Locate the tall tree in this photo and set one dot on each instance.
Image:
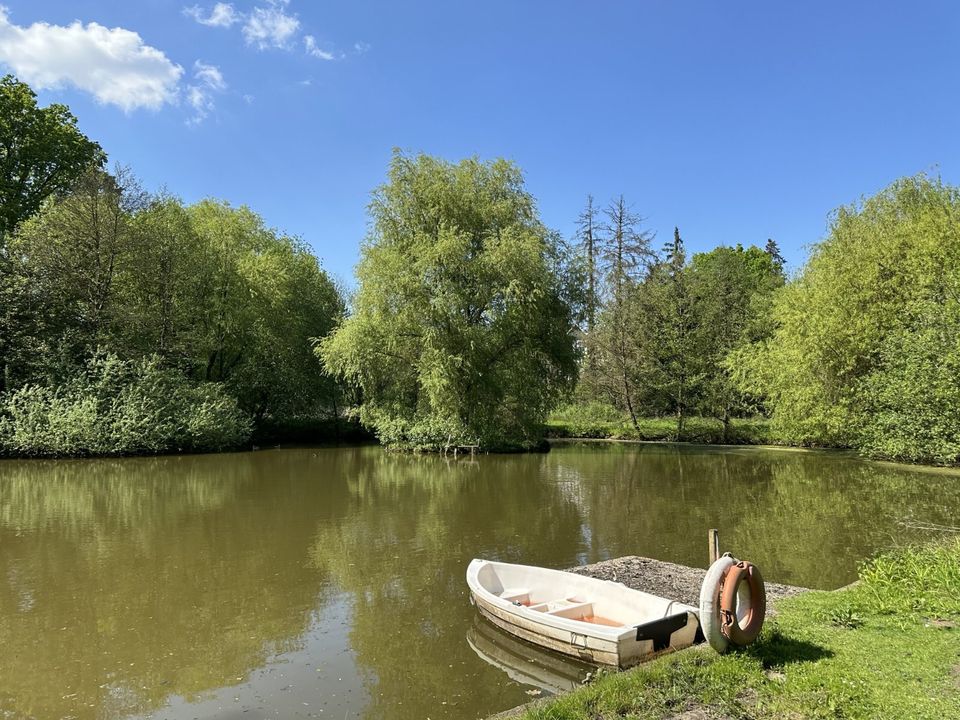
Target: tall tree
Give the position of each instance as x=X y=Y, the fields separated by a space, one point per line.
x=460 y=332
x=41 y=153
x=732 y=290
x=773 y=250
x=67 y=262
x=587 y=233
x=623 y=250
x=264 y=298
x=670 y=320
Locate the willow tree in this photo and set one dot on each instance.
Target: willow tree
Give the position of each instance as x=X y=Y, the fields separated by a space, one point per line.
x=461 y=333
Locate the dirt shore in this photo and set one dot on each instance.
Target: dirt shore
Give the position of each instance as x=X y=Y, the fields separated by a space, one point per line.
x=677 y=582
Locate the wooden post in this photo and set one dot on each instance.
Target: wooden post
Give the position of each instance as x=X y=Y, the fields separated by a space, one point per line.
x=714 y=540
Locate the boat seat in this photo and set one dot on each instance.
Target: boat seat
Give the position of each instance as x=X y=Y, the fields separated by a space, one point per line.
x=517 y=596
x=574 y=611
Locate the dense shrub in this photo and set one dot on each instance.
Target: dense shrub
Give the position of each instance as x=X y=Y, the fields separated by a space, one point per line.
x=865 y=354
x=117 y=407
x=924 y=579
x=589 y=420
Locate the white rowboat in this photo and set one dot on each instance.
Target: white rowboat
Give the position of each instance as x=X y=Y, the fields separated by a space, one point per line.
x=598 y=621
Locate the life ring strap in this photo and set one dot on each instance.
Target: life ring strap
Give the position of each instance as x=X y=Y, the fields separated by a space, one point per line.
x=736 y=574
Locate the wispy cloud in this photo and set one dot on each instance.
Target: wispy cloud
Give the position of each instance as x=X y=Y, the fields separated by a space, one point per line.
x=310 y=45
x=112 y=64
x=207 y=81
x=222 y=15
x=270 y=26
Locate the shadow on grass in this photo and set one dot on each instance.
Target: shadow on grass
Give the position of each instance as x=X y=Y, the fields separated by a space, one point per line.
x=776 y=649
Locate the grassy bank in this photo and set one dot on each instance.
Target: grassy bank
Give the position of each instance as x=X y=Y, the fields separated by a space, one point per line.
x=595 y=420
x=887 y=647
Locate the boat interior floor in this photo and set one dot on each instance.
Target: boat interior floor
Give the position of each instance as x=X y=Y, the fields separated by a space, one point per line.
x=572 y=608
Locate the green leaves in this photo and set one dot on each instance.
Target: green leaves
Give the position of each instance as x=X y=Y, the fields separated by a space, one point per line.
x=461 y=333
x=116 y=407
x=41 y=153
x=865 y=353
x=208 y=291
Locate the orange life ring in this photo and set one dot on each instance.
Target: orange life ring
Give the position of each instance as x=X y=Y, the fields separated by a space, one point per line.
x=731 y=627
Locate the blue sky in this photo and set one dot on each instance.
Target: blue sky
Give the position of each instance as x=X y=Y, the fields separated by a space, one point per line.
x=737 y=121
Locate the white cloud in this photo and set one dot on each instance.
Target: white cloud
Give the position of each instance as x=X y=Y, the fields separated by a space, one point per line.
x=207 y=81
x=222 y=15
x=310 y=43
x=361 y=47
x=112 y=64
x=209 y=75
x=270 y=26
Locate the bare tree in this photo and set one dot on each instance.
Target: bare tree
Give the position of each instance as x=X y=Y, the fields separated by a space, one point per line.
x=587 y=234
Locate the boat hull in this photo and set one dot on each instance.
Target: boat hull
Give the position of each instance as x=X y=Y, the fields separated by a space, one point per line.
x=661 y=626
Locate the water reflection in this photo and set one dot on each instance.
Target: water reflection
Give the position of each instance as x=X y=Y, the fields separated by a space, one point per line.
x=524 y=663
x=290 y=582
x=127 y=581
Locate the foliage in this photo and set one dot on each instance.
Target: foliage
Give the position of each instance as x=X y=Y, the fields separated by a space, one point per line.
x=461 y=332
x=598 y=421
x=866 y=351
x=41 y=153
x=733 y=290
x=593 y=419
x=921 y=580
x=116 y=407
x=617 y=256
x=69 y=263
x=208 y=289
x=670 y=322
x=265 y=299
x=662 y=337
x=889 y=662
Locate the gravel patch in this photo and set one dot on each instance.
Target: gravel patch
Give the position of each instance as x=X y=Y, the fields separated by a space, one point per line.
x=676 y=582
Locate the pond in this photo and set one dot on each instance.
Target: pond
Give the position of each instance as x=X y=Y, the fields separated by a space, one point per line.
x=330 y=582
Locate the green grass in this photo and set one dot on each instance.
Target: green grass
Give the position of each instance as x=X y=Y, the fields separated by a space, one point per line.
x=888 y=647
x=599 y=421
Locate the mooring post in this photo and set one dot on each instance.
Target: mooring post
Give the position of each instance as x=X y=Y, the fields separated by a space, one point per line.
x=714 y=540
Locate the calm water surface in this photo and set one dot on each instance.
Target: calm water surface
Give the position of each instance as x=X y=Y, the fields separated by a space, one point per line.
x=330 y=582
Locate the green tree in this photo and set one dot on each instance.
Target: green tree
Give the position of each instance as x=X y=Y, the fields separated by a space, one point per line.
x=66 y=264
x=41 y=153
x=207 y=290
x=668 y=308
x=865 y=352
x=264 y=298
x=732 y=290
x=461 y=331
